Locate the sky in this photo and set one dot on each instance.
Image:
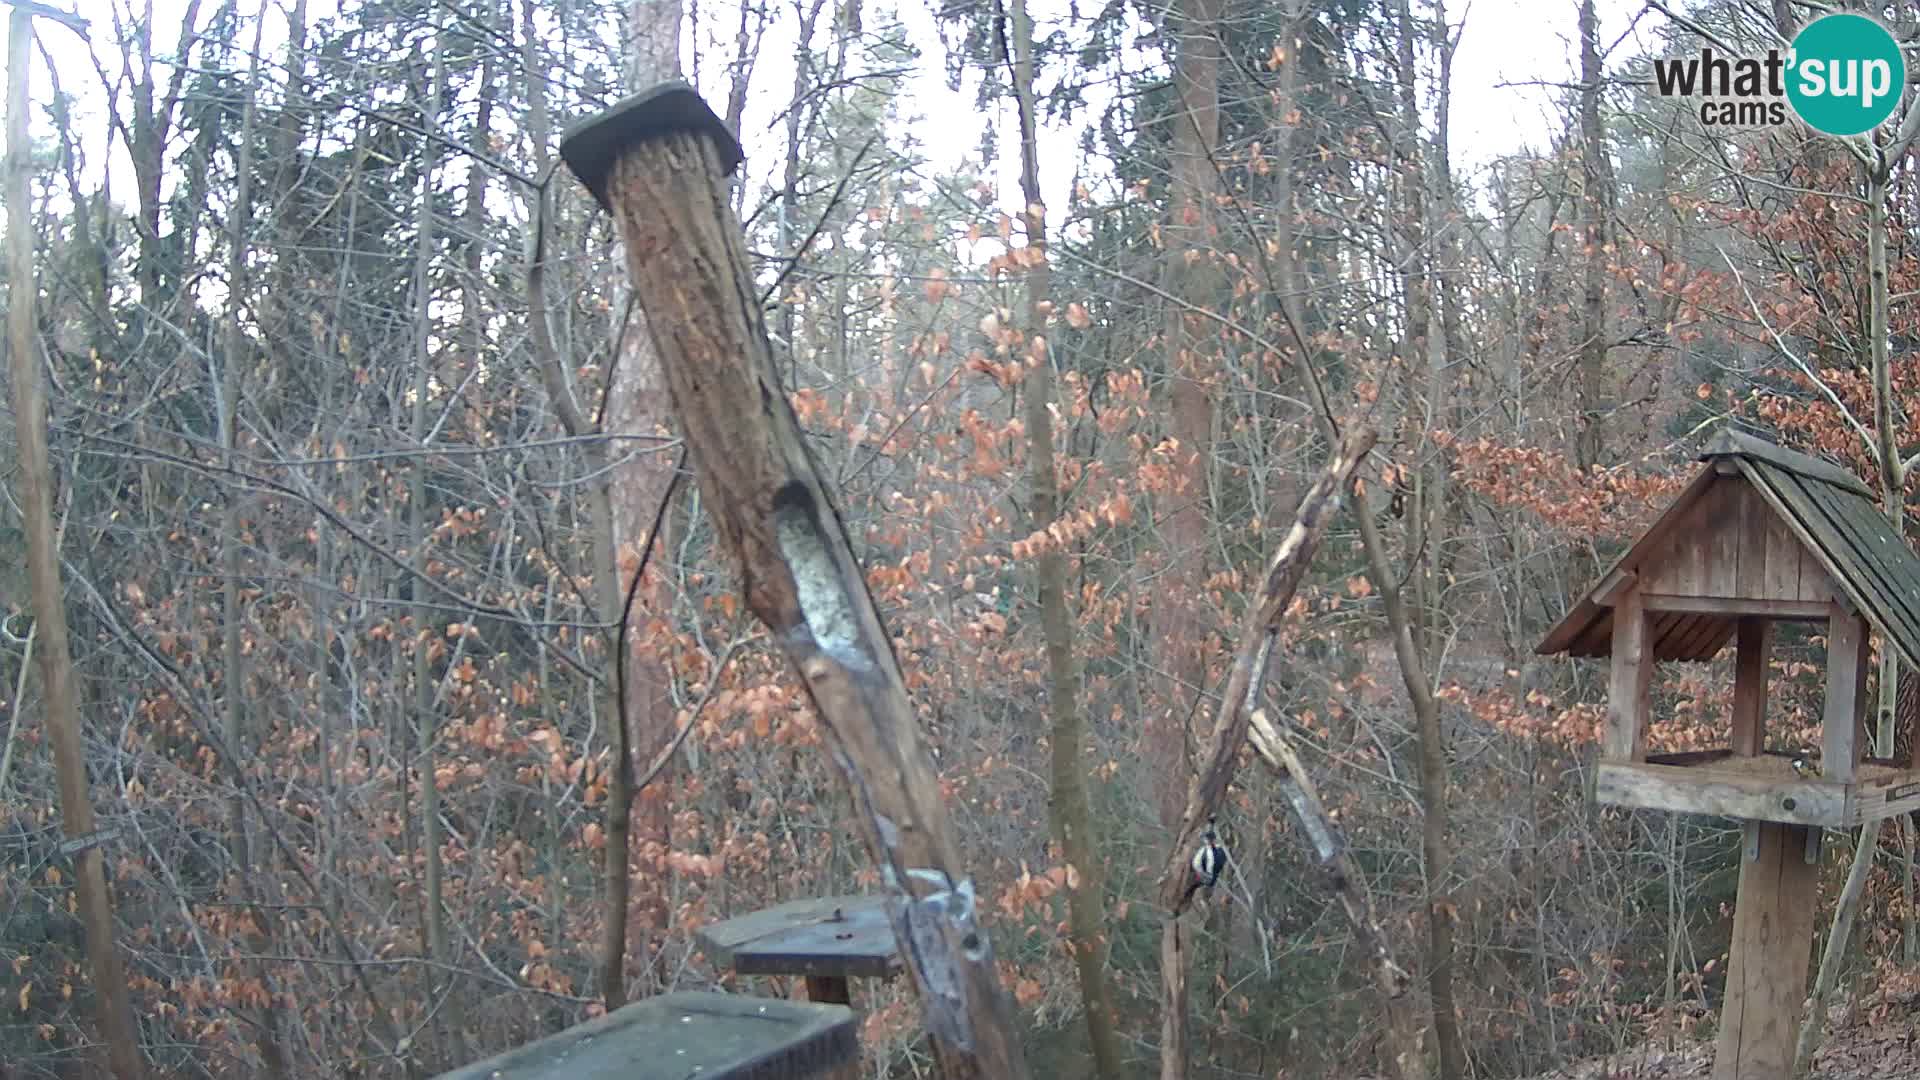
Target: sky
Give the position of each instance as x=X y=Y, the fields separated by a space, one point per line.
x=1508 y=48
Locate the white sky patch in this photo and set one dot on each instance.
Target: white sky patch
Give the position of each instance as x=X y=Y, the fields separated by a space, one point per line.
x=1510 y=72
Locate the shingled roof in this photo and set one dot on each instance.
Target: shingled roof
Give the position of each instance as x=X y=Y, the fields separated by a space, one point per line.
x=1829 y=510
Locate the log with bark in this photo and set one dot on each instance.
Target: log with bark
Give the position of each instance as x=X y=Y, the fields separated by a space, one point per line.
x=659 y=163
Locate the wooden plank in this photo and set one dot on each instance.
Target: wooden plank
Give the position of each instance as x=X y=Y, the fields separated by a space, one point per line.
x=684 y=1034
x=1682 y=567
x=1794 y=610
x=1898 y=570
x=1580 y=617
x=727 y=934
x=1847 y=543
x=1816 y=585
x=1782 y=572
x=1695 y=638
x=1611 y=587
x=835 y=935
x=1817 y=532
x=1884 y=797
x=1687 y=758
x=1712 y=634
x=1626 y=734
x=1715 y=792
x=1769 y=956
x=1877 y=561
x=1666 y=631
x=1720 y=537
x=1755 y=520
x=1731 y=442
x=1846 y=696
x=1750 y=686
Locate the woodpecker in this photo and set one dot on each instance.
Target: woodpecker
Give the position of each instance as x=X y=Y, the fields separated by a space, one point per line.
x=1208 y=861
x=1805 y=767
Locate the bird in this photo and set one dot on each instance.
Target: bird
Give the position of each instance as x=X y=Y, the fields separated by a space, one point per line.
x=1207 y=863
x=1805 y=767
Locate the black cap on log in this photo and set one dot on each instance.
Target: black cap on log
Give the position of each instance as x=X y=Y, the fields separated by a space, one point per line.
x=591 y=146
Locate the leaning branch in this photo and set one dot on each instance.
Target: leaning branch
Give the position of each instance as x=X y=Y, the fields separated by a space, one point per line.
x=1285 y=570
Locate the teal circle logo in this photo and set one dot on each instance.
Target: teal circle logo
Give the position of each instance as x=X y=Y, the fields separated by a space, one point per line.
x=1847 y=74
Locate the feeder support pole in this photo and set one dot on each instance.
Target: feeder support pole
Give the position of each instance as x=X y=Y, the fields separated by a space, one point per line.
x=658 y=163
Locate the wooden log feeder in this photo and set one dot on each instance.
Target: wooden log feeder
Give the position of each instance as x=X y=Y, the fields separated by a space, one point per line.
x=1762 y=535
x=659 y=162
x=827 y=941
x=675 y=1036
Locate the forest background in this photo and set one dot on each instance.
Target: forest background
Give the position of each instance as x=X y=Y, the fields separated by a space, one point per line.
x=358 y=443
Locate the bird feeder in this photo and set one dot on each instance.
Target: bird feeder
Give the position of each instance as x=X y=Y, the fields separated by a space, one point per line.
x=827 y=941
x=1762 y=535
x=675 y=1036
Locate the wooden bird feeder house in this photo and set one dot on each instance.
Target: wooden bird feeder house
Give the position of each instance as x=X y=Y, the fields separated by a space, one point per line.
x=1762 y=535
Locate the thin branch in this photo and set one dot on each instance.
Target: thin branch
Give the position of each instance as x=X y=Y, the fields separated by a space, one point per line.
x=666 y=754
x=1786 y=350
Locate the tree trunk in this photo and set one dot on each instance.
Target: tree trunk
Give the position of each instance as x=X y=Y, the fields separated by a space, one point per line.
x=1813 y=1026
x=1433 y=798
x=633 y=479
x=116 y=1018
x=1596 y=181
x=235 y=355
x=1893 y=502
x=1072 y=815
x=425 y=707
x=1192 y=278
x=1408 y=628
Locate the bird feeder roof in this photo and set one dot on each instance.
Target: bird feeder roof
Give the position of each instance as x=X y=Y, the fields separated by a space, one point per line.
x=1846 y=547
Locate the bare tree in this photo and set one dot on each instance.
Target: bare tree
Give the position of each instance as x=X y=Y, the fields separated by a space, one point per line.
x=43 y=570
x=1072 y=815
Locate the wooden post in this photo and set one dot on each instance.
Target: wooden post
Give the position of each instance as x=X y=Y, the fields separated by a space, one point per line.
x=659 y=162
x=1769 y=956
x=1627 y=712
x=829 y=990
x=1755 y=641
x=1846 y=696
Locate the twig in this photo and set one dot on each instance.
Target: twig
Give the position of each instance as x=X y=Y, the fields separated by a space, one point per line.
x=1781 y=344
x=713 y=685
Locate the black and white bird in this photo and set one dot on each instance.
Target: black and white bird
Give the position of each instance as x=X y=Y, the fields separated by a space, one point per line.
x=1209 y=860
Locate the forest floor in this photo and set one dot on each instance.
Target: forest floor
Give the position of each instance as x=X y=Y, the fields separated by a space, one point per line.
x=1877 y=1037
